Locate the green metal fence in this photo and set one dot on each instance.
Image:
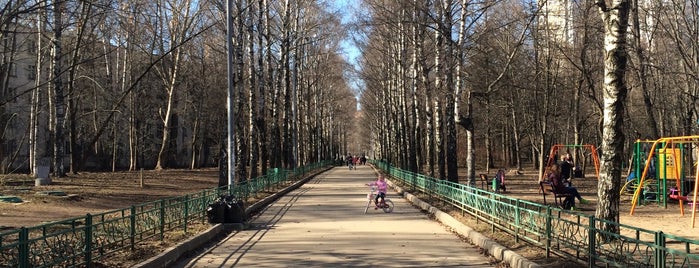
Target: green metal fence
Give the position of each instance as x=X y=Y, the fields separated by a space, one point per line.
x=80 y=241
x=566 y=233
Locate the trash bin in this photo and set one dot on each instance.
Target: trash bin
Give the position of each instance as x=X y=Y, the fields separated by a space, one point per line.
x=216 y=212
x=235 y=213
x=227 y=209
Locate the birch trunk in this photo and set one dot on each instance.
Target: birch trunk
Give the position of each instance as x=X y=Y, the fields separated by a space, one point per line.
x=58 y=97
x=415 y=81
x=286 y=86
x=459 y=88
x=439 y=140
x=34 y=151
x=241 y=86
x=438 y=66
x=451 y=114
x=179 y=26
x=615 y=19
x=269 y=83
x=166 y=116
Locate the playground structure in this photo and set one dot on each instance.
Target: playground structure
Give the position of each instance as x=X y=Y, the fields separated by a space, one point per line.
x=591 y=148
x=663 y=162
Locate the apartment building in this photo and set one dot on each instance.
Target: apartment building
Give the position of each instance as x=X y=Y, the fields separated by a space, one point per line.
x=19 y=53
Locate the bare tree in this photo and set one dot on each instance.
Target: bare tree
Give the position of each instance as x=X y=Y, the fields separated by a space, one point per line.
x=58 y=111
x=615 y=16
x=179 y=22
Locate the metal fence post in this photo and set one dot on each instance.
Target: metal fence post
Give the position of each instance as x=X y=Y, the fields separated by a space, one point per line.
x=162 y=219
x=591 y=242
x=132 y=234
x=412 y=182
x=493 y=211
x=24 y=248
x=88 y=240
x=659 y=249
x=186 y=212
x=548 y=231
x=517 y=220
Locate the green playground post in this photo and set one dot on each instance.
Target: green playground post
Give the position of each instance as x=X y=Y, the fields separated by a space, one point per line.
x=637 y=165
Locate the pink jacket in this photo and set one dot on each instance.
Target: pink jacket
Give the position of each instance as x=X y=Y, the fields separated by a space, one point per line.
x=381 y=185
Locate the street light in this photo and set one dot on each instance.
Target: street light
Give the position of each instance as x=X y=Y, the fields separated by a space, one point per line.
x=229 y=102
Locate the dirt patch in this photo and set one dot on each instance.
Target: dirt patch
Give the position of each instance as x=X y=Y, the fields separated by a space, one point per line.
x=93 y=193
x=89 y=192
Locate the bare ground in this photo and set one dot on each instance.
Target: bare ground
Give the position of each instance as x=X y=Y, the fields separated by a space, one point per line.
x=94 y=192
x=524 y=185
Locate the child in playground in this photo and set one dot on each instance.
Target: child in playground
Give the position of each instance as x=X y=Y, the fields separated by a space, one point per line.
x=554 y=176
x=381 y=186
x=499 y=181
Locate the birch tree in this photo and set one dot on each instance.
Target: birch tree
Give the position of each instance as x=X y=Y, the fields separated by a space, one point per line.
x=179 y=21
x=615 y=17
x=58 y=111
x=84 y=34
x=641 y=63
x=39 y=88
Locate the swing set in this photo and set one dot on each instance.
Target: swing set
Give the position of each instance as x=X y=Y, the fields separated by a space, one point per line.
x=591 y=148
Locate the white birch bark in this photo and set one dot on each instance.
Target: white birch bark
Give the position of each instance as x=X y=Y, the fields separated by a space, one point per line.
x=58 y=97
x=615 y=16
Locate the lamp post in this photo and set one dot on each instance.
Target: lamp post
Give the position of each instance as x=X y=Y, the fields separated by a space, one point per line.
x=229 y=102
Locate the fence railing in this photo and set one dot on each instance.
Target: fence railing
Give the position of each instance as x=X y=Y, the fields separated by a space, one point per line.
x=569 y=234
x=81 y=241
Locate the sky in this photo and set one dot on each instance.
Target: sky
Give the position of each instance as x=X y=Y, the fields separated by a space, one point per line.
x=347 y=7
x=349 y=50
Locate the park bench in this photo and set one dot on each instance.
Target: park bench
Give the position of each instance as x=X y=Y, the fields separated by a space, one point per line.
x=489 y=185
x=547 y=188
x=484 y=181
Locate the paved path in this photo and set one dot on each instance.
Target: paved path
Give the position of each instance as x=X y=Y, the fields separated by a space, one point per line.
x=322 y=224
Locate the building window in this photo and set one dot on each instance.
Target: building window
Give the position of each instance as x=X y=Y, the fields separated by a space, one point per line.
x=31 y=72
x=7 y=43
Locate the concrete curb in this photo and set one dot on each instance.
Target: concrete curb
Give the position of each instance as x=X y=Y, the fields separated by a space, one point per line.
x=174 y=253
x=170 y=255
x=491 y=246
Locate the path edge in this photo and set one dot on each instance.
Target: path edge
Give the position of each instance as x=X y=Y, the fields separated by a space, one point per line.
x=172 y=254
x=492 y=247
